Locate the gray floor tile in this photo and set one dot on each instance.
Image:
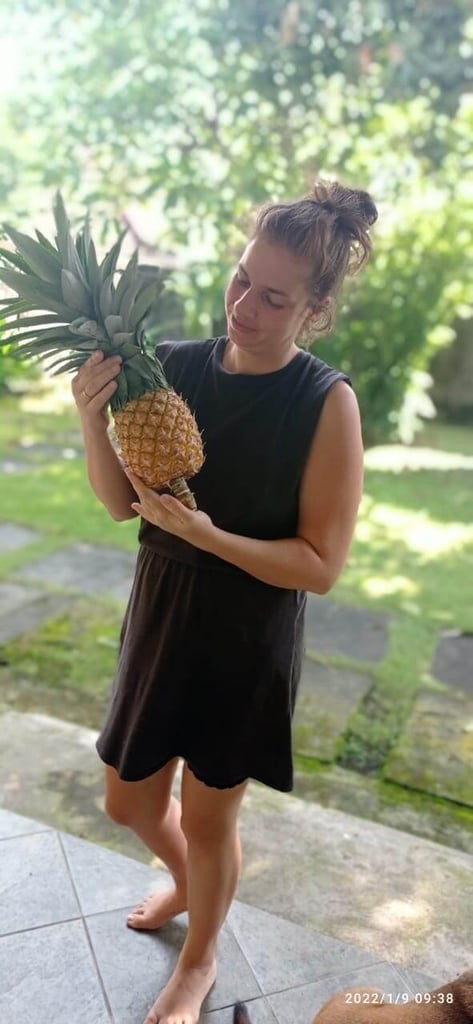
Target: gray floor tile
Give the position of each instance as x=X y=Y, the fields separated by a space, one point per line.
x=48 y=976
x=235 y=981
x=301 y=1004
x=35 y=887
x=105 y=880
x=135 y=966
x=283 y=954
x=382 y=976
x=259 y=1010
x=16 y=825
x=417 y=981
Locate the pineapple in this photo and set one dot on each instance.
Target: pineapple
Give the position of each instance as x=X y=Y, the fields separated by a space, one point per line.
x=83 y=308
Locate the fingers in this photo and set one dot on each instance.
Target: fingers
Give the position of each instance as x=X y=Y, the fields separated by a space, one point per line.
x=95 y=382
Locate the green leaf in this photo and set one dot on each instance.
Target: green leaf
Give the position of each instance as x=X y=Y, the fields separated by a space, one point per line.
x=36 y=321
x=19 y=283
x=122 y=338
x=47 y=244
x=62 y=227
x=92 y=267
x=106 y=297
x=67 y=364
x=113 y=324
x=40 y=337
x=143 y=304
x=74 y=265
x=109 y=262
x=15 y=260
x=128 y=301
x=126 y=278
x=74 y=293
x=41 y=261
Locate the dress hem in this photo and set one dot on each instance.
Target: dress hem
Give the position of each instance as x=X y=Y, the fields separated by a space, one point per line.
x=212 y=785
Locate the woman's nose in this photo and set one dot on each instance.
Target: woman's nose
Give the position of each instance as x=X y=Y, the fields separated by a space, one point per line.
x=245 y=306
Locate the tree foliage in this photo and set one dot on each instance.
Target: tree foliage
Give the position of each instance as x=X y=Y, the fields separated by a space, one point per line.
x=205 y=110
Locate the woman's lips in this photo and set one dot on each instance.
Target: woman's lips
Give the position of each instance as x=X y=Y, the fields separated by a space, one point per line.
x=239 y=326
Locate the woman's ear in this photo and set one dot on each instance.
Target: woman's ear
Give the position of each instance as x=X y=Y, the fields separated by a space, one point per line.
x=317 y=321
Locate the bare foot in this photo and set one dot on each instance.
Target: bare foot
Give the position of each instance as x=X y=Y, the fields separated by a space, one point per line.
x=180 y=1002
x=156 y=910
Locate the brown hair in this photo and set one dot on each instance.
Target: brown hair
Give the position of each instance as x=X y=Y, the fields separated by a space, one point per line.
x=329 y=228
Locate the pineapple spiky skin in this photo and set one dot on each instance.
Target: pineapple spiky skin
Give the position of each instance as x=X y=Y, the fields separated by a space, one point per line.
x=83 y=309
x=160 y=441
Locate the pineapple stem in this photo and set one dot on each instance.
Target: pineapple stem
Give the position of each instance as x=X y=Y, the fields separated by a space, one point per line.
x=182 y=492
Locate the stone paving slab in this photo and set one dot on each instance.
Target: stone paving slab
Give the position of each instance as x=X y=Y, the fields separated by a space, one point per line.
x=301 y=1003
x=13 y=597
x=435 y=750
x=84 y=568
x=363 y=884
x=278 y=949
x=104 y=880
x=260 y=1010
x=14 y=466
x=339 y=629
x=327 y=697
x=453 y=660
x=35 y=885
x=13 y=537
x=17 y=825
x=23 y=609
x=49 y=975
x=92 y=969
x=135 y=967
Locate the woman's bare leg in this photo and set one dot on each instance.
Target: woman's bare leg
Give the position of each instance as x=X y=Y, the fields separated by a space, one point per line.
x=209 y=822
x=149 y=809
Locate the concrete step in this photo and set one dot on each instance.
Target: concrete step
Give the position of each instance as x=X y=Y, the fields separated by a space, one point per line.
x=396 y=896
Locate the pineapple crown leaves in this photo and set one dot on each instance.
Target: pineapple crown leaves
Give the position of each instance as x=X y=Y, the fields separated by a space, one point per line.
x=80 y=304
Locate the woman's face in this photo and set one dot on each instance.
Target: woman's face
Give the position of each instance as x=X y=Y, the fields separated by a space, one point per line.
x=267 y=301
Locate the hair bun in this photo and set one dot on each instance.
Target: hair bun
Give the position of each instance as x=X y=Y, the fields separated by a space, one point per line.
x=350 y=206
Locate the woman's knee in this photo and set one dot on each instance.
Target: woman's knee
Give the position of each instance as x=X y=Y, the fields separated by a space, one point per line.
x=128 y=802
x=119 y=809
x=209 y=816
x=200 y=829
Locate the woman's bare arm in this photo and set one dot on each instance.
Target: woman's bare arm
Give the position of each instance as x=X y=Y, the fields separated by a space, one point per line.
x=330 y=496
x=92 y=388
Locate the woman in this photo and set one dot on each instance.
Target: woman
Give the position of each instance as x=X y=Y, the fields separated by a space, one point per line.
x=212 y=640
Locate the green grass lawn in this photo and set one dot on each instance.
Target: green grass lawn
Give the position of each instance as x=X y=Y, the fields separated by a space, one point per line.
x=54 y=495
x=412 y=558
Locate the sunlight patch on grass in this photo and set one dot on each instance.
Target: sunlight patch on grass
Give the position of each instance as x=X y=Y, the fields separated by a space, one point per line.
x=379 y=586
x=402 y=914
x=52 y=395
x=397 y=458
x=415 y=530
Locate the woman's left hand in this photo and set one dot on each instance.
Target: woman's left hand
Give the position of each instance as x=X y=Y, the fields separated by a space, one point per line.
x=169 y=514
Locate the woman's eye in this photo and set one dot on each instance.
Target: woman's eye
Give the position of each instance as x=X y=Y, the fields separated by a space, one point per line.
x=275 y=305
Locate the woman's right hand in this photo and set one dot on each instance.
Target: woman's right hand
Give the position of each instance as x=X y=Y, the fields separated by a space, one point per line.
x=93 y=387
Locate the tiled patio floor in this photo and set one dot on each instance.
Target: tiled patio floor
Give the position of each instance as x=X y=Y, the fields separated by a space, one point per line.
x=66 y=956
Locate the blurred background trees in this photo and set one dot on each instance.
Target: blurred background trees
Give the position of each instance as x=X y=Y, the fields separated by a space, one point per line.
x=180 y=118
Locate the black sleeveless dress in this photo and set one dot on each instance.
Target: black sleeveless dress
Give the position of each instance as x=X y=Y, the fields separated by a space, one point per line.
x=210 y=656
